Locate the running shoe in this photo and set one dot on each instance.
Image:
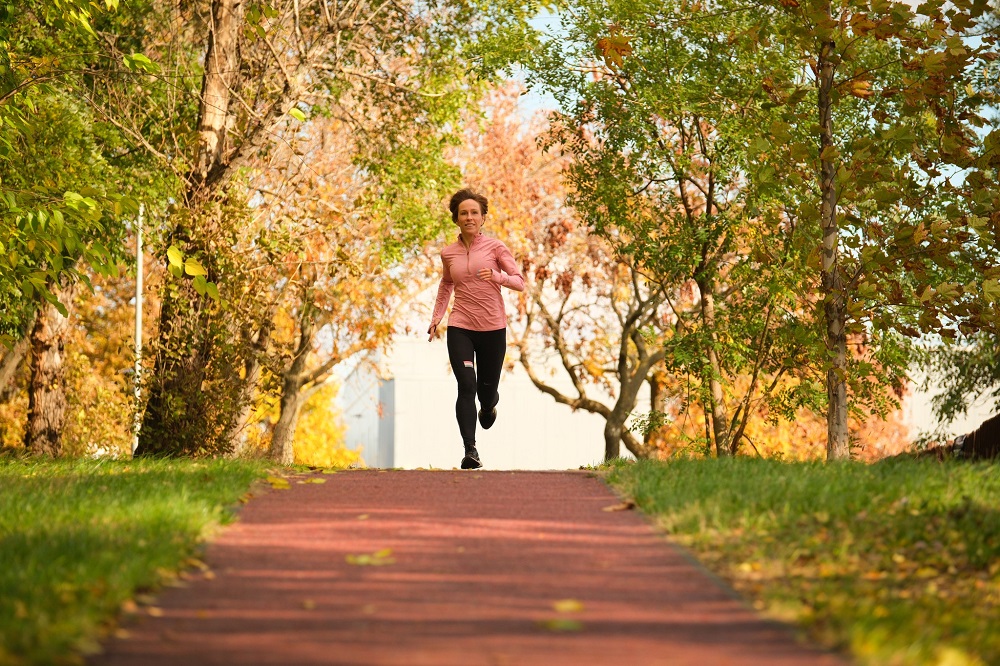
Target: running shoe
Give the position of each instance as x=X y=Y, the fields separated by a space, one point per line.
x=471 y=459
x=488 y=418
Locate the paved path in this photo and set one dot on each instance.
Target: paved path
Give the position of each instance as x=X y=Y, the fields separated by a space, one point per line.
x=480 y=559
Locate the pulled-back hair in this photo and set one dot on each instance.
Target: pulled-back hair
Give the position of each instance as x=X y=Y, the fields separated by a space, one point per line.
x=463 y=195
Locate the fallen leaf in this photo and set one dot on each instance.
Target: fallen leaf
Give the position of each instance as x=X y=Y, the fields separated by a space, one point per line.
x=314 y=480
x=155 y=611
x=377 y=559
x=559 y=625
x=278 y=483
x=627 y=505
x=195 y=563
x=568 y=606
x=309 y=604
x=363 y=516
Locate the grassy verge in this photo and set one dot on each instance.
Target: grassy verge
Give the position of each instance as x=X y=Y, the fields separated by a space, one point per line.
x=894 y=563
x=79 y=538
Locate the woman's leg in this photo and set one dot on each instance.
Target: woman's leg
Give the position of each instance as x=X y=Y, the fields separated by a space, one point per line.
x=461 y=353
x=491 y=347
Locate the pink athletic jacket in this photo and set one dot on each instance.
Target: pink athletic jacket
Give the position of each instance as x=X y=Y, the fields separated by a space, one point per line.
x=478 y=303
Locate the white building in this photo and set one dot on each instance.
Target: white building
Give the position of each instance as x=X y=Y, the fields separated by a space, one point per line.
x=406 y=418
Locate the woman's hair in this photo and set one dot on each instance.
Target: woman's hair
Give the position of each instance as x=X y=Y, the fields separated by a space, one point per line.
x=463 y=195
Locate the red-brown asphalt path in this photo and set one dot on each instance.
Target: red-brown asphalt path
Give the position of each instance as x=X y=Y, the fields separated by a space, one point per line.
x=480 y=558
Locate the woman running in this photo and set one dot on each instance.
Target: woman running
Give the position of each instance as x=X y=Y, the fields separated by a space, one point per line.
x=475 y=267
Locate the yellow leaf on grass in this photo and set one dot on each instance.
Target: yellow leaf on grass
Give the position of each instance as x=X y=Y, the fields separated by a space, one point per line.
x=568 y=606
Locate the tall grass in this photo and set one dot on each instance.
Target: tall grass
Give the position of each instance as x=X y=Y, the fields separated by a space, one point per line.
x=895 y=563
x=78 y=538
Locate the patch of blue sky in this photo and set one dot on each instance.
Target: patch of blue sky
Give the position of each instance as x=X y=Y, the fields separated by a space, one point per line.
x=535 y=99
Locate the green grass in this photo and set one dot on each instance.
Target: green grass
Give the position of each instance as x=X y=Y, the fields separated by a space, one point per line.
x=79 y=538
x=894 y=563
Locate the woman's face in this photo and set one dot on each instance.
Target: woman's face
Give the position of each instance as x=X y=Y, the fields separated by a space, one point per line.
x=470 y=217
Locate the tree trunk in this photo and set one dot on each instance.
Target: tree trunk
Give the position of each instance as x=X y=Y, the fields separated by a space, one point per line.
x=251 y=379
x=172 y=421
x=175 y=419
x=614 y=427
x=834 y=309
x=657 y=405
x=292 y=380
x=221 y=69
x=720 y=414
x=47 y=388
x=11 y=361
x=283 y=437
x=612 y=439
x=237 y=434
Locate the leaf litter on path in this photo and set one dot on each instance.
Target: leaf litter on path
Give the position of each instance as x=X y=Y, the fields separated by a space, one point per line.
x=278 y=483
x=379 y=558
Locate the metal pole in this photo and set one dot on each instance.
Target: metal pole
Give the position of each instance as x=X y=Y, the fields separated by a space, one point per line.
x=137 y=422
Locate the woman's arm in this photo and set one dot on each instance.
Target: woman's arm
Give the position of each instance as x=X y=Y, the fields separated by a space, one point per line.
x=509 y=274
x=445 y=289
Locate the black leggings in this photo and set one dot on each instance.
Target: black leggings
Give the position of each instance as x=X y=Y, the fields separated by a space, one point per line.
x=469 y=351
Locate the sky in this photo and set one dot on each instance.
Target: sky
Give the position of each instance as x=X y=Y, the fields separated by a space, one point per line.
x=536 y=100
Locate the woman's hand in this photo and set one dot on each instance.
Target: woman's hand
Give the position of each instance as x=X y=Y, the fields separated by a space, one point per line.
x=432 y=331
x=486 y=274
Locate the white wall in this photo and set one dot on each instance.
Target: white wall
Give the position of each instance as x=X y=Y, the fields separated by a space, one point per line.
x=532 y=430
x=918 y=412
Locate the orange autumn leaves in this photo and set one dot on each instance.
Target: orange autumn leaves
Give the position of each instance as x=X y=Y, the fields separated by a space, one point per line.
x=614 y=48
